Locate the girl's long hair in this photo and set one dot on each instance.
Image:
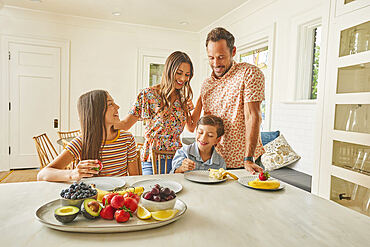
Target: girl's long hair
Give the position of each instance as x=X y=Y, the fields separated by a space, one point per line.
x=92 y=107
x=167 y=85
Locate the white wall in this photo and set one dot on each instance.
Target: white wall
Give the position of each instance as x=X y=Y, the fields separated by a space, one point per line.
x=103 y=54
x=296 y=121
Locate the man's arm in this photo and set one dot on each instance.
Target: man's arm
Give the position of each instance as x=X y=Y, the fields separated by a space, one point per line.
x=253 y=119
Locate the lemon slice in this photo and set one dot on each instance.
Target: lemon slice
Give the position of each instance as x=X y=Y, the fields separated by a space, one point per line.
x=164 y=214
x=143 y=213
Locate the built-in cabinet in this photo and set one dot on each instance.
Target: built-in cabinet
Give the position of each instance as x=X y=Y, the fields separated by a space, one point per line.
x=345 y=151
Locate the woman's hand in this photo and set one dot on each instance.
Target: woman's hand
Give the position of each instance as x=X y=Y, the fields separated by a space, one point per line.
x=190 y=105
x=85 y=169
x=187 y=165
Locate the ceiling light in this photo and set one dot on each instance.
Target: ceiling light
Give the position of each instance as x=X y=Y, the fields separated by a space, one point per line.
x=39 y=1
x=116 y=13
x=184 y=23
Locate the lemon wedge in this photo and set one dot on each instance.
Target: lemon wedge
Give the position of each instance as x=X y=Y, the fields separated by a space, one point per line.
x=164 y=214
x=143 y=213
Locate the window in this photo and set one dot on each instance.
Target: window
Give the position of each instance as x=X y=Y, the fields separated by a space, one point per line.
x=155 y=73
x=258 y=57
x=308 y=56
x=315 y=61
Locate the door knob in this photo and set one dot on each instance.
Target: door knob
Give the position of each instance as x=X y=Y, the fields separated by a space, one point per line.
x=56 y=125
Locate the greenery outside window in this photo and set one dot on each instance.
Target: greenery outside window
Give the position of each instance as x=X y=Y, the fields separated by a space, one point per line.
x=258 y=57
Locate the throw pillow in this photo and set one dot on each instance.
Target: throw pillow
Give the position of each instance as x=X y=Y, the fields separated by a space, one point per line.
x=278 y=154
x=267 y=137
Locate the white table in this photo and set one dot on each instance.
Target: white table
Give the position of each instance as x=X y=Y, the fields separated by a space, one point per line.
x=225 y=214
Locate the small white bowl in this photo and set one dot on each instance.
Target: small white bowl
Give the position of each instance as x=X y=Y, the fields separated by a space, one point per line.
x=153 y=206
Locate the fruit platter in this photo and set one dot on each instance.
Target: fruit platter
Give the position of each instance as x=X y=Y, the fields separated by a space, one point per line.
x=83 y=208
x=262 y=181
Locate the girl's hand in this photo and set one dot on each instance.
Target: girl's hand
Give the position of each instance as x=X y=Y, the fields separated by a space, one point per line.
x=85 y=169
x=187 y=165
x=190 y=105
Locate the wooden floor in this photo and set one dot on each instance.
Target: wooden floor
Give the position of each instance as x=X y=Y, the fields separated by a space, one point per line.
x=14 y=176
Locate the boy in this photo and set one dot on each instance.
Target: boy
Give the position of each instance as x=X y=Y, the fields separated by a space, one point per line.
x=201 y=155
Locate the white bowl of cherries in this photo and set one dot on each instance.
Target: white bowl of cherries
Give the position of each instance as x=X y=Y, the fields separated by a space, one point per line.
x=158 y=198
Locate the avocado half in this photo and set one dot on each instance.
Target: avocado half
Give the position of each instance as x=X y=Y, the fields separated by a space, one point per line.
x=91 y=208
x=66 y=214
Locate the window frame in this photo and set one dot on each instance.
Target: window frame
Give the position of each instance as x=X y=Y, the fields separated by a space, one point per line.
x=306 y=40
x=257 y=40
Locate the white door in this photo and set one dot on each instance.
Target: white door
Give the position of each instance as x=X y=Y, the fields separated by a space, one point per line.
x=34 y=95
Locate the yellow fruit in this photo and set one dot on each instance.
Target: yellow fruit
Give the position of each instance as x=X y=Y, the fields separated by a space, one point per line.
x=232 y=175
x=136 y=190
x=217 y=174
x=101 y=194
x=143 y=213
x=269 y=184
x=164 y=214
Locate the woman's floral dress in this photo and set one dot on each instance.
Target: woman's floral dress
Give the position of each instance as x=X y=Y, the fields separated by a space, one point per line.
x=162 y=128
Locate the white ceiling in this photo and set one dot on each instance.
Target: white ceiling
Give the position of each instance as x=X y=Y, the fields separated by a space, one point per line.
x=162 y=13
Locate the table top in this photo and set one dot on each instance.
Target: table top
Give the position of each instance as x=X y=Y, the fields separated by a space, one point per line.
x=218 y=214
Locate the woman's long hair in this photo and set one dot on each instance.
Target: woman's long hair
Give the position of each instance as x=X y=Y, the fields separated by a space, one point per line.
x=167 y=85
x=92 y=107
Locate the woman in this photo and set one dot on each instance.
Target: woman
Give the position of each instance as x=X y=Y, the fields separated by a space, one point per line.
x=98 y=143
x=165 y=108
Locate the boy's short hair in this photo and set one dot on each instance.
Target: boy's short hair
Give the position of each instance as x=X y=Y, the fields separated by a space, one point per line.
x=220 y=33
x=213 y=120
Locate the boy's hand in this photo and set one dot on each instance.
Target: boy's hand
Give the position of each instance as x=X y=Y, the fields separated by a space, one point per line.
x=187 y=165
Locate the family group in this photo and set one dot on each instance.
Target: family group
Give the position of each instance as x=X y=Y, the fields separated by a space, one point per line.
x=227 y=134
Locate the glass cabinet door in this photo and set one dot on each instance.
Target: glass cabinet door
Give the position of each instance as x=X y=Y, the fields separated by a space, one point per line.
x=355 y=39
x=349 y=138
x=350 y=195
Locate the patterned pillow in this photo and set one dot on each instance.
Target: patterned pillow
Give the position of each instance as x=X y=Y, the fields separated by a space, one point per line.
x=278 y=154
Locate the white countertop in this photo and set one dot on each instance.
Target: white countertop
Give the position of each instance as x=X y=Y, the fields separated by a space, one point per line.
x=225 y=214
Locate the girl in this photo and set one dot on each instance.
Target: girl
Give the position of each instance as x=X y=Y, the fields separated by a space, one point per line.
x=99 y=141
x=165 y=108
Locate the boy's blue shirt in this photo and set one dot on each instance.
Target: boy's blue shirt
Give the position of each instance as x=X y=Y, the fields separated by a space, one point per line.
x=192 y=152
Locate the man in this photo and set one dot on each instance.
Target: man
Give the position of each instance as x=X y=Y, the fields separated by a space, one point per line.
x=234 y=92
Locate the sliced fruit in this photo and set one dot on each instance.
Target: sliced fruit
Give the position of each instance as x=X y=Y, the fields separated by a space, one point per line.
x=101 y=194
x=217 y=174
x=164 y=214
x=232 y=175
x=136 y=190
x=143 y=213
x=66 y=214
x=91 y=209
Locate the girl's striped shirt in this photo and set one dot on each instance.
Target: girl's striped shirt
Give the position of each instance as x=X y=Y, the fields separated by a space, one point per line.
x=116 y=153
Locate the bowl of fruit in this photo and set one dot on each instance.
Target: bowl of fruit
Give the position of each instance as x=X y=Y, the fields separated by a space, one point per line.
x=76 y=193
x=158 y=198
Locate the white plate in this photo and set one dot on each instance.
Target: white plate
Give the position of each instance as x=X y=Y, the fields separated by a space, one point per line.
x=202 y=176
x=149 y=184
x=244 y=181
x=45 y=214
x=105 y=183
